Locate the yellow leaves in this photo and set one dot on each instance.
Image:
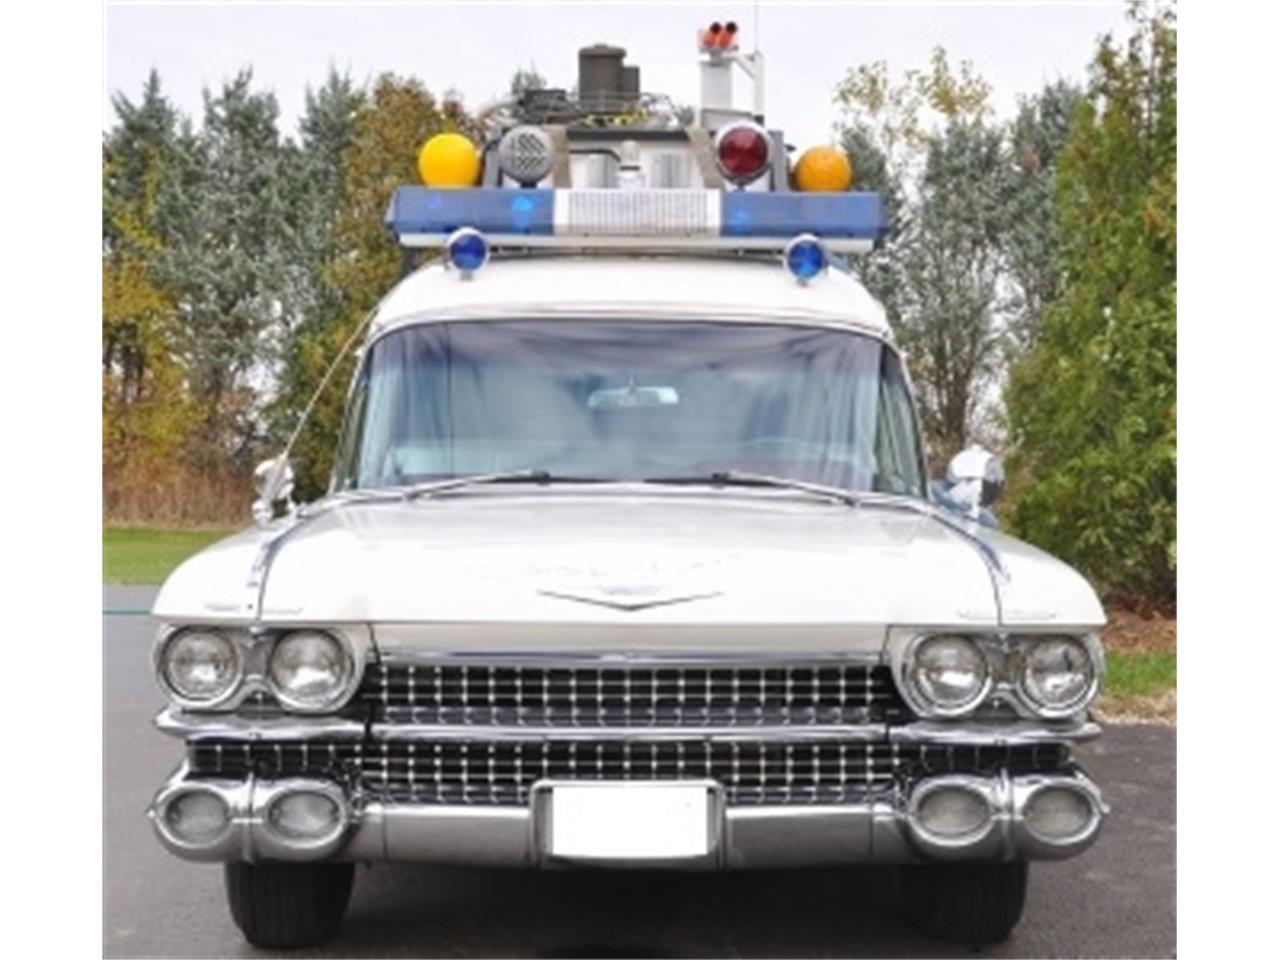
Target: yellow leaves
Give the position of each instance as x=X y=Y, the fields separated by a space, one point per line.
x=904 y=113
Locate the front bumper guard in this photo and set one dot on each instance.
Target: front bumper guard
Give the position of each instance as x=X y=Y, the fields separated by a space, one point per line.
x=881 y=830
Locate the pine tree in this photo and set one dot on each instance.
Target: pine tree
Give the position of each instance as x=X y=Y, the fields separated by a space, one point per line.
x=1092 y=406
x=229 y=263
x=390 y=126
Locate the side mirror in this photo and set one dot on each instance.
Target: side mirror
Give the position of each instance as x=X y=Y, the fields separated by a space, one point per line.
x=975 y=480
x=273 y=481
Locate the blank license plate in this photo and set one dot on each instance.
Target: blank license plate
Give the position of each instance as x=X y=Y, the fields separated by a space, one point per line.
x=634 y=821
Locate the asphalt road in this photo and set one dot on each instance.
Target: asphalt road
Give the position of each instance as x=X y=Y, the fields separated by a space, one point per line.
x=1118 y=899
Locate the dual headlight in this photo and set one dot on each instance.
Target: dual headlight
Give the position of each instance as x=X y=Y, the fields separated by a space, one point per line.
x=950 y=675
x=305 y=670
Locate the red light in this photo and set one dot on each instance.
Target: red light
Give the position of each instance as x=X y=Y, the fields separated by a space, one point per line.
x=742 y=152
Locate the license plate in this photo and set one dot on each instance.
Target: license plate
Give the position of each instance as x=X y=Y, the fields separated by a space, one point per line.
x=632 y=821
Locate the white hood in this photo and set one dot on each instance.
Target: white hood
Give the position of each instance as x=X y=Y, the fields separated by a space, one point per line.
x=600 y=558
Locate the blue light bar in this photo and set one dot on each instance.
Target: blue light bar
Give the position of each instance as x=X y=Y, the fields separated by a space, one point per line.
x=706 y=219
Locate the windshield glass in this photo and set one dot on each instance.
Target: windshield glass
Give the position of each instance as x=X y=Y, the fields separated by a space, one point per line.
x=630 y=400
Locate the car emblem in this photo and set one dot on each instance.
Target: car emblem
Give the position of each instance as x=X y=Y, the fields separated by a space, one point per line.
x=627 y=597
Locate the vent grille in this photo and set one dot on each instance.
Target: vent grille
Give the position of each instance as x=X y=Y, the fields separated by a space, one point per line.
x=641 y=213
x=819 y=694
x=503 y=772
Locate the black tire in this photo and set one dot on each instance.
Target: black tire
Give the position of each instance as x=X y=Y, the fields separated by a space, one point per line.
x=283 y=905
x=969 y=903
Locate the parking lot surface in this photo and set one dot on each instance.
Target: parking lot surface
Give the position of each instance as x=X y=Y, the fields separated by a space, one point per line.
x=1116 y=900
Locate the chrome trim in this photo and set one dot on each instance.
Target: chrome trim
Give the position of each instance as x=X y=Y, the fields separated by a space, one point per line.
x=1003 y=651
x=916 y=698
x=1025 y=788
x=197 y=727
x=270 y=844
x=859 y=733
x=229 y=845
x=342 y=693
x=254 y=647
x=234 y=689
x=878 y=830
x=988 y=841
x=1011 y=733
x=412 y=656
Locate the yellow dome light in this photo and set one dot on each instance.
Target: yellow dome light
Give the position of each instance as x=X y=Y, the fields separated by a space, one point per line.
x=823 y=170
x=449 y=160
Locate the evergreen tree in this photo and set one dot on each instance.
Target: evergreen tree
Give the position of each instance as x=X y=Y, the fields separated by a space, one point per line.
x=390 y=126
x=1092 y=406
x=229 y=263
x=1030 y=235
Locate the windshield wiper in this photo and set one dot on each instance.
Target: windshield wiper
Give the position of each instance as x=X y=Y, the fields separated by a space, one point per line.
x=739 y=478
x=480 y=479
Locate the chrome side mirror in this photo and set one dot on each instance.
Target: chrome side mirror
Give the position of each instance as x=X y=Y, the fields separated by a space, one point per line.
x=975 y=480
x=273 y=481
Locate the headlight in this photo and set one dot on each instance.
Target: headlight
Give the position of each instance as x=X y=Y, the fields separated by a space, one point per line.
x=1057 y=675
x=949 y=673
x=309 y=670
x=200 y=666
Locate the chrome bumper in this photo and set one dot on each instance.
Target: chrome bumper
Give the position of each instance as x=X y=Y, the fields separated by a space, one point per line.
x=880 y=831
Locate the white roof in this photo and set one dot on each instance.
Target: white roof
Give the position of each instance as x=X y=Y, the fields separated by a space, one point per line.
x=634 y=286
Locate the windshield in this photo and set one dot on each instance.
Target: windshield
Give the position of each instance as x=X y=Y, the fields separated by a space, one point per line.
x=630 y=400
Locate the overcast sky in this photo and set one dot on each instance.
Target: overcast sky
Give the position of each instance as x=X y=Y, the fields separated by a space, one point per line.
x=474 y=48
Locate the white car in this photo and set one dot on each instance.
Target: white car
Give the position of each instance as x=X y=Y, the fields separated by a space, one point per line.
x=629 y=560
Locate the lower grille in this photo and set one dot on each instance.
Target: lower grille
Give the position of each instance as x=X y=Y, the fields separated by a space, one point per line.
x=631 y=696
x=503 y=772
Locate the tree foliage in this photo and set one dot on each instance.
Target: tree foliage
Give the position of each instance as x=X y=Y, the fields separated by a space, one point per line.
x=1092 y=404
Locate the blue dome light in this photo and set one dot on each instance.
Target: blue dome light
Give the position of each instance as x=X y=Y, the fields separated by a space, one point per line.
x=805 y=257
x=468 y=250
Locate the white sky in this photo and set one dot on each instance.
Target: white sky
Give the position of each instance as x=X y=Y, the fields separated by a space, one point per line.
x=474 y=48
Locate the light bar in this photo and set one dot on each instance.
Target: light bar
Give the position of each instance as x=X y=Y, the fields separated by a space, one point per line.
x=673 y=219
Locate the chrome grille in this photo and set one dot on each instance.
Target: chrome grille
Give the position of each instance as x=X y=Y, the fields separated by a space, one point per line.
x=631 y=696
x=503 y=771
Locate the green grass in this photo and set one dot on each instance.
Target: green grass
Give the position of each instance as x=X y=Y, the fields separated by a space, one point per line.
x=148 y=554
x=1141 y=674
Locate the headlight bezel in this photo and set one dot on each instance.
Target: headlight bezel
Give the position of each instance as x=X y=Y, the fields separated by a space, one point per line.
x=342 y=690
x=1036 y=705
x=1005 y=653
x=164 y=650
x=254 y=645
x=918 y=698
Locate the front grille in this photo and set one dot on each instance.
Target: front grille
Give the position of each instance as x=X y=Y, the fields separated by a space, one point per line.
x=631 y=696
x=503 y=772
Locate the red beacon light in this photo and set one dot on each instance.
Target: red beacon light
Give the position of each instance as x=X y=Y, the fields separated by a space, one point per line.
x=719 y=36
x=742 y=152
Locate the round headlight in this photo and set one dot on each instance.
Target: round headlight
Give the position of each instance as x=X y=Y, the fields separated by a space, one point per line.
x=1057 y=674
x=309 y=670
x=949 y=673
x=200 y=666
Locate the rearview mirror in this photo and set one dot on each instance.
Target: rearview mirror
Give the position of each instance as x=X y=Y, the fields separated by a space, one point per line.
x=975 y=480
x=273 y=481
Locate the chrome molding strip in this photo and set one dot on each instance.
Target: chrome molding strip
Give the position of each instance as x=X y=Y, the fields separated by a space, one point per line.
x=213 y=726
x=1014 y=733
x=867 y=733
x=606 y=659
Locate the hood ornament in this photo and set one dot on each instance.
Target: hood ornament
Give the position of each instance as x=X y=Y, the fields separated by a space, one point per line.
x=625 y=597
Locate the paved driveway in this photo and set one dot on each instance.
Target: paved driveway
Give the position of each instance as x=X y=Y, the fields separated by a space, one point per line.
x=1116 y=900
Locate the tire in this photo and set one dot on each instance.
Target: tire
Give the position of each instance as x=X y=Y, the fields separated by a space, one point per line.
x=969 y=903
x=283 y=905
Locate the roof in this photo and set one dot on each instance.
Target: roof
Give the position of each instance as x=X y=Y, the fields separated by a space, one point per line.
x=693 y=287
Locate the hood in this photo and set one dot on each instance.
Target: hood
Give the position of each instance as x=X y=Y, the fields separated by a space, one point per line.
x=598 y=557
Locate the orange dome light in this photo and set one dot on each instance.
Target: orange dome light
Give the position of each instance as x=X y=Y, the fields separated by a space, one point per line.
x=823 y=170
